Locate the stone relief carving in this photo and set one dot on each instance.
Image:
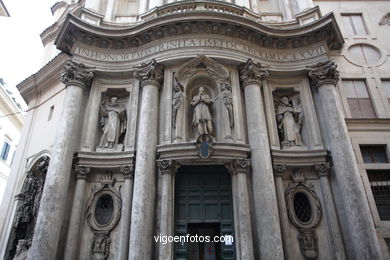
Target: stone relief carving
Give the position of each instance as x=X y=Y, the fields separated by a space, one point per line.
x=251 y=71
x=113 y=122
x=289 y=118
x=168 y=166
x=151 y=72
x=177 y=101
x=202 y=120
x=385 y=19
x=304 y=211
x=204 y=145
x=103 y=215
x=76 y=73
x=26 y=213
x=228 y=101
x=323 y=73
x=239 y=165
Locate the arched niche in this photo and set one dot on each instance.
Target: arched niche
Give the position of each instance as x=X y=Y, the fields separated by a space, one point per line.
x=215 y=78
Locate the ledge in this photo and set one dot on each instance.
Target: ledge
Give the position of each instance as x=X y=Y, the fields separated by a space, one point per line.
x=105 y=160
x=298 y=158
x=371 y=124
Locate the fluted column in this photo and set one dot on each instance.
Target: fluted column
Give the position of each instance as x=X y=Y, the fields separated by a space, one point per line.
x=279 y=170
x=264 y=194
x=333 y=227
x=168 y=169
x=240 y=168
x=142 y=215
x=360 y=231
x=73 y=239
x=127 y=195
x=51 y=211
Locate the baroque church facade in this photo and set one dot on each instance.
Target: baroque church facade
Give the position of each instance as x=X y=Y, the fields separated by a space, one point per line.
x=262 y=120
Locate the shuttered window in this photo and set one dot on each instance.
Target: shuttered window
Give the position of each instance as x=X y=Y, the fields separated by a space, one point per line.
x=354 y=24
x=358 y=99
x=380 y=186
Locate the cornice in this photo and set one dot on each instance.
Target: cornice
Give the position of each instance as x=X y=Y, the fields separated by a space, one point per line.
x=200 y=21
x=40 y=80
x=10 y=108
x=370 y=124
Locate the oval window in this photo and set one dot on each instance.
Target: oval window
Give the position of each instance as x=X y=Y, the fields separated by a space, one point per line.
x=302 y=207
x=364 y=54
x=104 y=209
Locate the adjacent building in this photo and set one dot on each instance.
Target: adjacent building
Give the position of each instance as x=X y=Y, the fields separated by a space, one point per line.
x=265 y=121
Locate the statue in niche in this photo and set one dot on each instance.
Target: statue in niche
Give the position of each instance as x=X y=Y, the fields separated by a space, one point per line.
x=289 y=119
x=178 y=99
x=228 y=101
x=22 y=249
x=202 y=120
x=113 y=122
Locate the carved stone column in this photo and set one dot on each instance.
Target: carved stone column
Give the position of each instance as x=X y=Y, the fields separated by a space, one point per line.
x=142 y=215
x=331 y=220
x=279 y=169
x=240 y=168
x=51 y=212
x=264 y=194
x=73 y=239
x=168 y=169
x=127 y=195
x=359 y=226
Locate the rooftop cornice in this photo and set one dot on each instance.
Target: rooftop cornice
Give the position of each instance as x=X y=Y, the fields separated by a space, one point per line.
x=200 y=22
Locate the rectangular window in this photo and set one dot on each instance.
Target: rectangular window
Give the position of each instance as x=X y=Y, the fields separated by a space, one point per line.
x=380 y=186
x=5 y=151
x=386 y=87
x=354 y=24
x=51 y=111
x=374 y=153
x=358 y=99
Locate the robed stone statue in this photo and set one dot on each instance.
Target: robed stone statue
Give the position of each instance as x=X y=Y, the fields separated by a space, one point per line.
x=289 y=119
x=113 y=122
x=202 y=119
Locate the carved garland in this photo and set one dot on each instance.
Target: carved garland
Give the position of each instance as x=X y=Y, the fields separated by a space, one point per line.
x=100 y=246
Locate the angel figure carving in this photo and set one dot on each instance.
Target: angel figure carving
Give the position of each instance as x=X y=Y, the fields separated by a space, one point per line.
x=113 y=122
x=289 y=120
x=202 y=119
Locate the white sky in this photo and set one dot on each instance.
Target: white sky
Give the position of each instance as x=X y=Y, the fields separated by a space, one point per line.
x=21 y=48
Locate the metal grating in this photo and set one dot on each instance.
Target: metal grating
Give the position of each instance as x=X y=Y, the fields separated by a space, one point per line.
x=380 y=186
x=302 y=207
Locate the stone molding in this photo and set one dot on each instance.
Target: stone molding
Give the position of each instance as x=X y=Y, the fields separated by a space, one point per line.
x=251 y=72
x=76 y=74
x=321 y=169
x=127 y=171
x=151 y=73
x=82 y=171
x=323 y=73
x=168 y=166
x=239 y=165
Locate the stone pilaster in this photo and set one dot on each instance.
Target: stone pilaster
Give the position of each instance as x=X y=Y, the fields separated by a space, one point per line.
x=168 y=169
x=359 y=227
x=50 y=217
x=264 y=194
x=142 y=215
x=331 y=220
x=73 y=239
x=127 y=195
x=239 y=168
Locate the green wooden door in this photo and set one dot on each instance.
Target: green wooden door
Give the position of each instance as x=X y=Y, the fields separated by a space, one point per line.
x=203 y=194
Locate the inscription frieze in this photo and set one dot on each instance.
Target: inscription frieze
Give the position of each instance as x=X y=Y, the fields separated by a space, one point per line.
x=136 y=53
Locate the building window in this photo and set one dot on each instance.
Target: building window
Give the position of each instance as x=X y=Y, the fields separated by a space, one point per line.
x=386 y=87
x=358 y=99
x=380 y=186
x=51 y=111
x=354 y=24
x=364 y=54
x=374 y=153
x=5 y=151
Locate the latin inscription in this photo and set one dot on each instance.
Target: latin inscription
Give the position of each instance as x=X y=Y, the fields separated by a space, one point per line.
x=261 y=53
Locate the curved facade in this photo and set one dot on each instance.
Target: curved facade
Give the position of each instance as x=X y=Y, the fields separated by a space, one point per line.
x=219 y=119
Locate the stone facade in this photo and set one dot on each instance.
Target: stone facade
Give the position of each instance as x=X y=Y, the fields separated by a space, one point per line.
x=202 y=117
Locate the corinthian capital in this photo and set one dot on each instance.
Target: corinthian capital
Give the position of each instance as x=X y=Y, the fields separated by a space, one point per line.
x=82 y=171
x=323 y=73
x=251 y=71
x=168 y=166
x=151 y=72
x=238 y=166
x=322 y=169
x=76 y=73
x=127 y=171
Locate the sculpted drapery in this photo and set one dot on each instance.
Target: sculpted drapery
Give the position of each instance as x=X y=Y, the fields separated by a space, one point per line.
x=202 y=119
x=113 y=122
